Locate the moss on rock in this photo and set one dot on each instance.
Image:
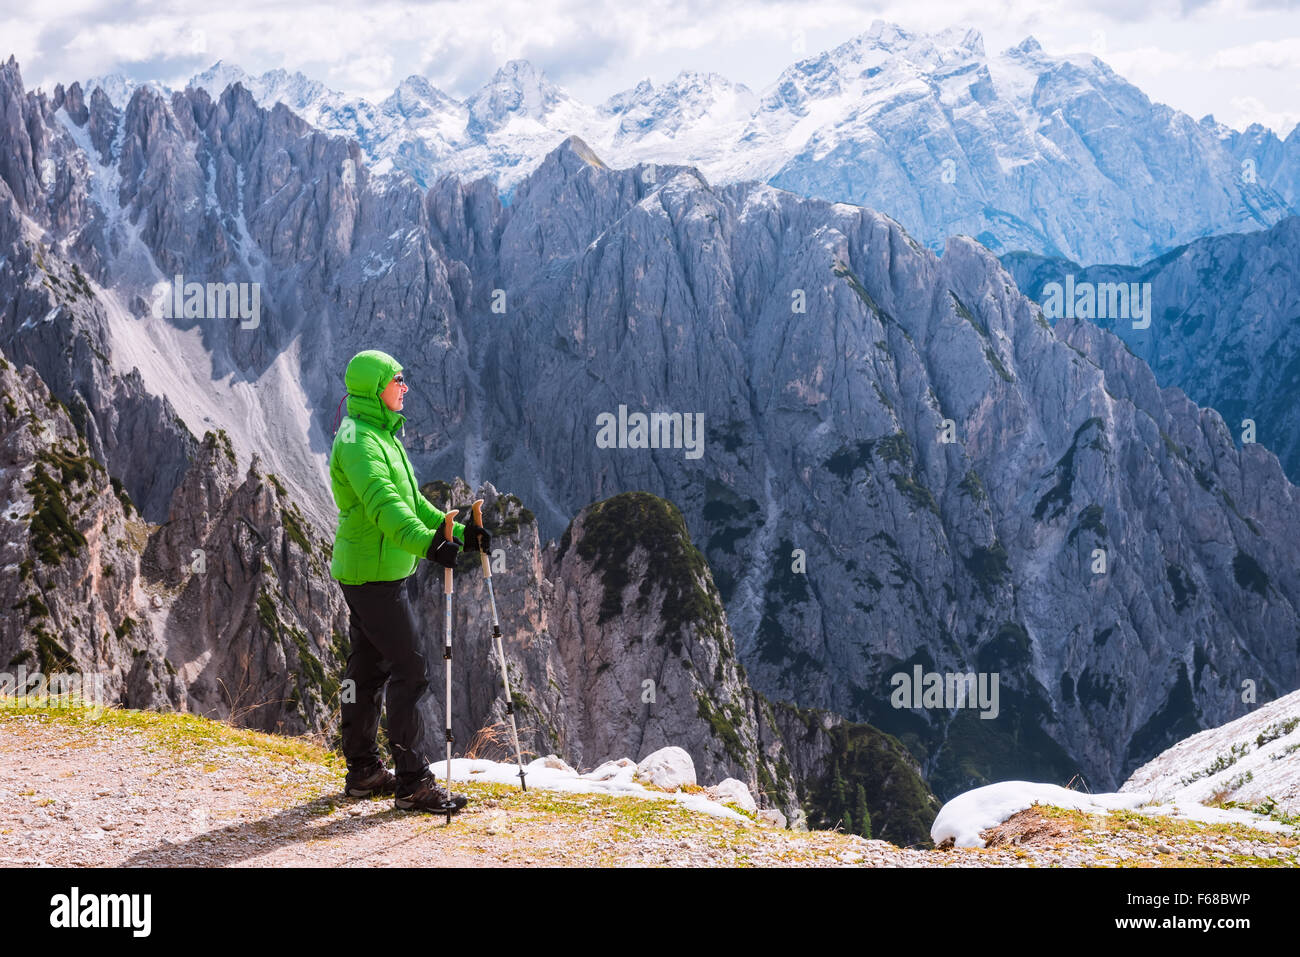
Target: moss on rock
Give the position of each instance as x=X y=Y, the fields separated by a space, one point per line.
x=615 y=528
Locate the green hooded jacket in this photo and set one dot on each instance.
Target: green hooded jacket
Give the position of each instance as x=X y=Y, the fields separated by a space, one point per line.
x=385 y=523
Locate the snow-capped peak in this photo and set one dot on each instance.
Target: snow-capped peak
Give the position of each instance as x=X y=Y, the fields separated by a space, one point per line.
x=217 y=77
x=296 y=91
x=1002 y=131
x=516 y=89
x=119 y=88
x=882 y=32
x=292 y=89
x=693 y=88
x=926 y=51
x=415 y=98
x=964 y=38
x=691 y=98
x=625 y=98
x=1029 y=44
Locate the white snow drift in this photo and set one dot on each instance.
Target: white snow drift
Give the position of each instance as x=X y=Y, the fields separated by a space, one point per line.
x=1251 y=760
x=669 y=768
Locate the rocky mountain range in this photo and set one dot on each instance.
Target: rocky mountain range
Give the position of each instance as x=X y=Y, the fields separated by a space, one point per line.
x=227 y=610
x=902 y=465
x=1223 y=325
x=1058 y=155
x=1264 y=156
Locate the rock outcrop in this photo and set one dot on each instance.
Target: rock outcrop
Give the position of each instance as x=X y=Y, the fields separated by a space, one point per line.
x=255 y=629
x=71 y=554
x=619 y=639
x=225 y=610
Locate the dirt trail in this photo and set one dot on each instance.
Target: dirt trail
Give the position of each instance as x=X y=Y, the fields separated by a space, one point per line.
x=141 y=789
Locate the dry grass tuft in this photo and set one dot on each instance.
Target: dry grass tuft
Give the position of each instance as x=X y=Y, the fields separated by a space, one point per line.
x=1029 y=826
x=494 y=743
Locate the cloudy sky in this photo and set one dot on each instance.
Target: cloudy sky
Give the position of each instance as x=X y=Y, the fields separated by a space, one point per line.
x=1237 y=59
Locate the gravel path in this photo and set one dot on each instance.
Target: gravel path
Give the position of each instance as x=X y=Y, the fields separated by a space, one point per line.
x=97 y=794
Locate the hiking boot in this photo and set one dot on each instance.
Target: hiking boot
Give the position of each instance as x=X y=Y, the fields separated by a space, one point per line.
x=364 y=782
x=427 y=795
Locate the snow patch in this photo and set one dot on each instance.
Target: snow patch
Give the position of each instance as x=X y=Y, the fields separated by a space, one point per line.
x=1250 y=760
x=612 y=777
x=965 y=816
x=376 y=265
x=269 y=416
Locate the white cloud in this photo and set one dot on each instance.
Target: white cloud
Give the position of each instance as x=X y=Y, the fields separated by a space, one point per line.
x=1249 y=110
x=1265 y=54
x=20 y=38
x=138 y=42
x=1149 y=61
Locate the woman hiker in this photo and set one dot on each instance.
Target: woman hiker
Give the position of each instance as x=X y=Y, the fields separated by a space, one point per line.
x=385 y=526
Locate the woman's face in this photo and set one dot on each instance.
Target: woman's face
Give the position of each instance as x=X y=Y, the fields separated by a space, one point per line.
x=394 y=393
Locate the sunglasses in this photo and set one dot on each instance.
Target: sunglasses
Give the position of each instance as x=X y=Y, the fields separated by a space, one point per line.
x=399 y=380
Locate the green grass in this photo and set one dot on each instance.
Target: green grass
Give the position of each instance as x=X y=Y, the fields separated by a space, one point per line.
x=187 y=733
x=915 y=492
x=1170 y=826
x=293 y=522
x=722 y=721
x=1279 y=729
x=1221 y=762
x=1185 y=837
x=1268 y=808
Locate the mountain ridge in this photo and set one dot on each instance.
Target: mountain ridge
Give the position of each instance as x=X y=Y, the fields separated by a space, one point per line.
x=1223 y=326
x=926 y=127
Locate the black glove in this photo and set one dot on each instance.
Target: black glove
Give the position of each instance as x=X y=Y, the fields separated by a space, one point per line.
x=444 y=552
x=442 y=549
x=477 y=539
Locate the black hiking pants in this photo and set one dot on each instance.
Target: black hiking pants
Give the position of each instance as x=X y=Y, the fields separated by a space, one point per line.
x=386 y=651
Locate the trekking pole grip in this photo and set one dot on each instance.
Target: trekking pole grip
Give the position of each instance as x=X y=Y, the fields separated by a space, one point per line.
x=477 y=511
x=447 y=527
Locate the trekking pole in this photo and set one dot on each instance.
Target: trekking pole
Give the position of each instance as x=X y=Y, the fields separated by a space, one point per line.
x=477 y=510
x=446 y=645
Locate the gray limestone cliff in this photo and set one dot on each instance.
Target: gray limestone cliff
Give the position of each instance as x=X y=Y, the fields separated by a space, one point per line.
x=902 y=463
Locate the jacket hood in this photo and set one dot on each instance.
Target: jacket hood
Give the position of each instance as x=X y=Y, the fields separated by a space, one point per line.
x=368 y=374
